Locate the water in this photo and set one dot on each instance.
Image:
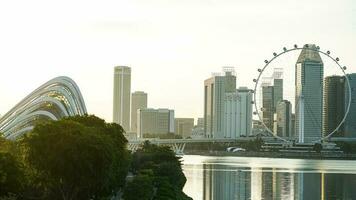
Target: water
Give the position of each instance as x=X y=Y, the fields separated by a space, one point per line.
x=225 y=178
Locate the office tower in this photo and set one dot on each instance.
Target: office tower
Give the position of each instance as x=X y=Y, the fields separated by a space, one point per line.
x=215 y=89
x=283 y=121
x=165 y=121
x=122 y=94
x=267 y=106
x=334 y=104
x=350 y=122
x=271 y=95
x=154 y=121
x=138 y=101
x=309 y=71
x=238 y=113
x=277 y=86
x=184 y=126
x=200 y=122
x=245 y=104
x=293 y=135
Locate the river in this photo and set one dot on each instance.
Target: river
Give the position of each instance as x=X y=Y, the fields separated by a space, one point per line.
x=225 y=178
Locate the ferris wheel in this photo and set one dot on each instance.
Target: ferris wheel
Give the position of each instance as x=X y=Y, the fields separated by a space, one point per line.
x=300 y=101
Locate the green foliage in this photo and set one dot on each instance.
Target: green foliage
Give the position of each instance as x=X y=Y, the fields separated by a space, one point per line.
x=78 y=157
x=141 y=188
x=9 y=197
x=150 y=156
x=172 y=172
x=317 y=147
x=162 y=136
x=83 y=157
x=165 y=190
x=161 y=164
x=253 y=145
x=347 y=147
x=11 y=175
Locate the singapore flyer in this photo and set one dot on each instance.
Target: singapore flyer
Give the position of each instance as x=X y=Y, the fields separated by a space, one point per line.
x=316 y=100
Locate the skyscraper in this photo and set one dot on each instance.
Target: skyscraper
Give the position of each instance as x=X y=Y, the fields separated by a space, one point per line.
x=271 y=96
x=309 y=72
x=277 y=86
x=238 y=113
x=284 y=117
x=122 y=94
x=350 y=122
x=268 y=106
x=293 y=135
x=215 y=89
x=334 y=104
x=138 y=101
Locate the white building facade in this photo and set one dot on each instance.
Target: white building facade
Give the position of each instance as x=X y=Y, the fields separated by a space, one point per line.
x=238 y=113
x=215 y=89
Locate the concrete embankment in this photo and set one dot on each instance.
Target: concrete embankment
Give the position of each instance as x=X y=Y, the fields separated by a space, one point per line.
x=299 y=155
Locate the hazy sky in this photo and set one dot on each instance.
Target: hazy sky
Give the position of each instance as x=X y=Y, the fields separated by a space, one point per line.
x=171 y=45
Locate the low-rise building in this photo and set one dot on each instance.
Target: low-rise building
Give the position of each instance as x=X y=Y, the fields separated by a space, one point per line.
x=184 y=126
x=154 y=121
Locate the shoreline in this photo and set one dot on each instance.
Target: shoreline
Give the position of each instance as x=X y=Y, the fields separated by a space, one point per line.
x=289 y=155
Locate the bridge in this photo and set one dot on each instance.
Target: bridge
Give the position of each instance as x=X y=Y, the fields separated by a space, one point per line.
x=178 y=145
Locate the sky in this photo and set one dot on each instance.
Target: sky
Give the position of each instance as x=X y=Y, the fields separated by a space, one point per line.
x=172 y=46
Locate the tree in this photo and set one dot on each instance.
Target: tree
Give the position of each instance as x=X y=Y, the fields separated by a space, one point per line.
x=141 y=188
x=317 y=147
x=168 y=177
x=11 y=175
x=78 y=157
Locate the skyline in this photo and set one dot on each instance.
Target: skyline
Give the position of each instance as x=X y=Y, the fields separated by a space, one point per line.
x=159 y=44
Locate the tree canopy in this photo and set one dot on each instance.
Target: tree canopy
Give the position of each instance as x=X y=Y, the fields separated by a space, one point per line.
x=79 y=157
x=159 y=165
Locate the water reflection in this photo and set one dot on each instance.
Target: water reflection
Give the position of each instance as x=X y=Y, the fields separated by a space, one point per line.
x=253 y=178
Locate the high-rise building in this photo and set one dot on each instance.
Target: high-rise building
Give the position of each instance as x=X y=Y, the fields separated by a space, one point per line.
x=293 y=135
x=334 y=104
x=277 y=86
x=271 y=96
x=122 y=94
x=200 y=122
x=184 y=126
x=154 y=121
x=138 y=101
x=350 y=122
x=309 y=72
x=238 y=113
x=215 y=89
x=268 y=106
x=283 y=121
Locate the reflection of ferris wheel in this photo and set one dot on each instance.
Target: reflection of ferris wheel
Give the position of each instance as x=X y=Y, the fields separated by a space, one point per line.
x=285 y=50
